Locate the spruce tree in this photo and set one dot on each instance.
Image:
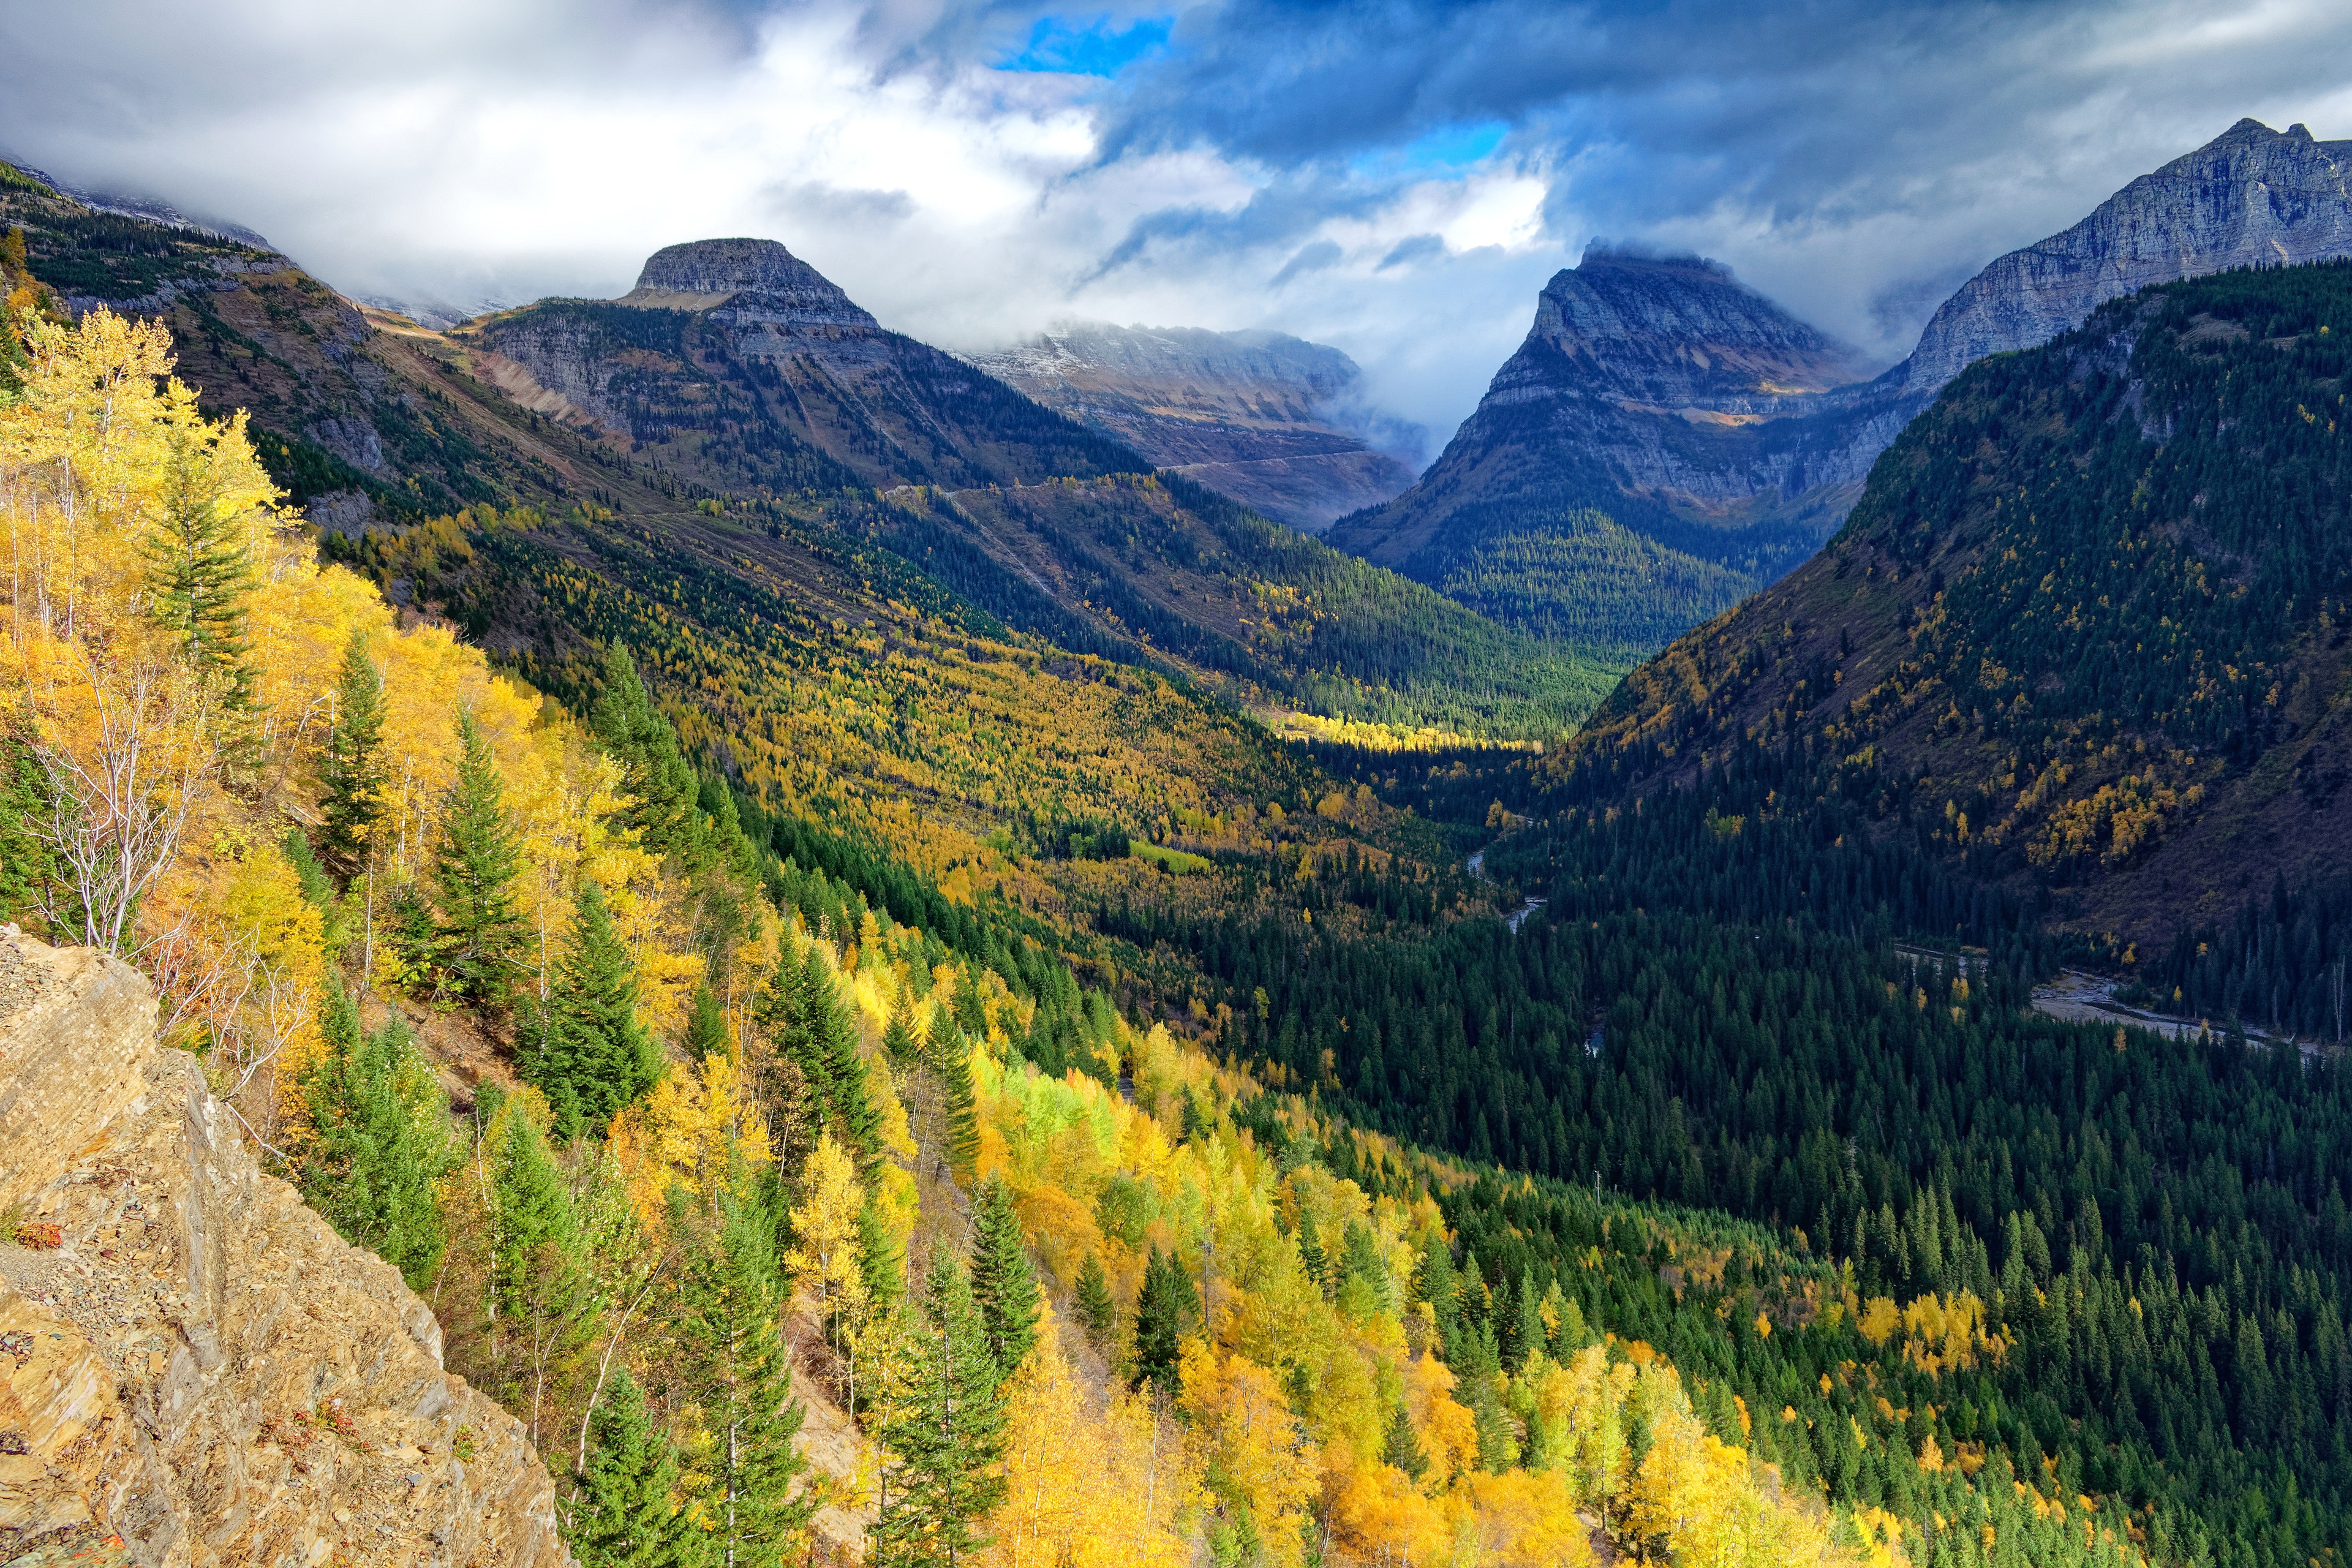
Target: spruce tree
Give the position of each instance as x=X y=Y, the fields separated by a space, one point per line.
x=707 y=1033
x=1003 y=1281
x=1166 y=1309
x=479 y=930
x=587 y=1052
x=881 y=1262
x=199 y=572
x=1310 y=1254
x=821 y=1039
x=1098 y=1313
x=944 y=1434
x=899 y=1037
x=743 y=1373
x=659 y=779
x=1400 y=1448
x=377 y=1148
x=623 y=1513
x=951 y=1059
x=351 y=769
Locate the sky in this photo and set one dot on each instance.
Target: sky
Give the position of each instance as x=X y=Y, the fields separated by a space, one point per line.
x=1397 y=178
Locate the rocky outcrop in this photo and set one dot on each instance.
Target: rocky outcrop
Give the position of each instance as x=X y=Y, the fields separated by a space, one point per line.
x=195 y=1369
x=2249 y=198
x=751 y=280
x=1272 y=421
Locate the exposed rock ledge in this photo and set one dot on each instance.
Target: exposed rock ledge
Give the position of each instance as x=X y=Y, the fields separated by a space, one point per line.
x=204 y=1374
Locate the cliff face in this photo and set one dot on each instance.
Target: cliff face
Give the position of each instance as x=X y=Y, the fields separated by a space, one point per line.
x=2250 y=197
x=1270 y=420
x=201 y=1372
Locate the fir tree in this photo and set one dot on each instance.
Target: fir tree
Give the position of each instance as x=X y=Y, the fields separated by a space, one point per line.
x=1166 y=1309
x=377 y=1147
x=1438 y=1286
x=707 y=1033
x=1098 y=1313
x=1528 y=1327
x=1400 y=1448
x=350 y=768
x=1310 y=1254
x=881 y=1264
x=951 y=1059
x=198 y=568
x=479 y=931
x=899 y=1037
x=541 y=1293
x=944 y=1434
x=659 y=779
x=623 y=1513
x=821 y=1039
x=1003 y=1281
x=744 y=1373
x=586 y=1051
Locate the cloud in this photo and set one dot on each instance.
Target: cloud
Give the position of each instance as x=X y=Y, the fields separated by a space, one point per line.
x=1396 y=177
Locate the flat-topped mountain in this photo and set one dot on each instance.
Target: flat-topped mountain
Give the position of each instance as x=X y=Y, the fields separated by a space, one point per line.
x=752 y=279
x=1271 y=420
x=1666 y=440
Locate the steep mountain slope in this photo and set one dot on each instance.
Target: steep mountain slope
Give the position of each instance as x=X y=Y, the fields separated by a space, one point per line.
x=1606 y=487
x=735 y=367
x=1496 y=523
x=2084 y=637
x=369 y=417
x=1260 y=416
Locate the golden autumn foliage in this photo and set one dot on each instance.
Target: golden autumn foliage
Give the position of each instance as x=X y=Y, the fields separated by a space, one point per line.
x=1091 y=1482
x=175 y=780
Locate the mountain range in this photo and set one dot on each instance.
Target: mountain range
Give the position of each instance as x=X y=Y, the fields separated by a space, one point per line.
x=1666 y=441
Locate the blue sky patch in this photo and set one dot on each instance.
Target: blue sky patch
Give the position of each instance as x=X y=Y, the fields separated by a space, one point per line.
x=1091 y=46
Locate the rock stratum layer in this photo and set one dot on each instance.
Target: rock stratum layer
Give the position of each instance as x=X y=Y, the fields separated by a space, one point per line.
x=1270 y=420
x=201 y=1372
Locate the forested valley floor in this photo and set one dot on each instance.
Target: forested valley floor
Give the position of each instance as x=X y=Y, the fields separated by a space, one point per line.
x=776 y=993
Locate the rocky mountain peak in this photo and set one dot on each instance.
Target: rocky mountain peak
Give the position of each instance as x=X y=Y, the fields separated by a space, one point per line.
x=2250 y=195
x=1681 y=330
x=754 y=280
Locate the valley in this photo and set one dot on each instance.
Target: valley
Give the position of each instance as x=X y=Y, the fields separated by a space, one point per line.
x=892 y=949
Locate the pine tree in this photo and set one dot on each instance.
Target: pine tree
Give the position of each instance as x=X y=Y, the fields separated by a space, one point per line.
x=540 y=1292
x=951 y=1059
x=943 y=1436
x=623 y=1513
x=1166 y=1309
x=1402 y=1448
x=659 y=779
x=587 y=1052
x=1310 y=1254
x=707 y=1033
x=479 y=931
x=376 y=1149
x=197 y=567
x=1003 y=1281
x=1528 y=1327
x=743 y=1369
x=881 y=1262
x=821 y=1039
x=1098 y=1313
x=351 y=769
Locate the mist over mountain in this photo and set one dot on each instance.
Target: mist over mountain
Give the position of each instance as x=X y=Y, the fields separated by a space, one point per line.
x=1274 y=421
